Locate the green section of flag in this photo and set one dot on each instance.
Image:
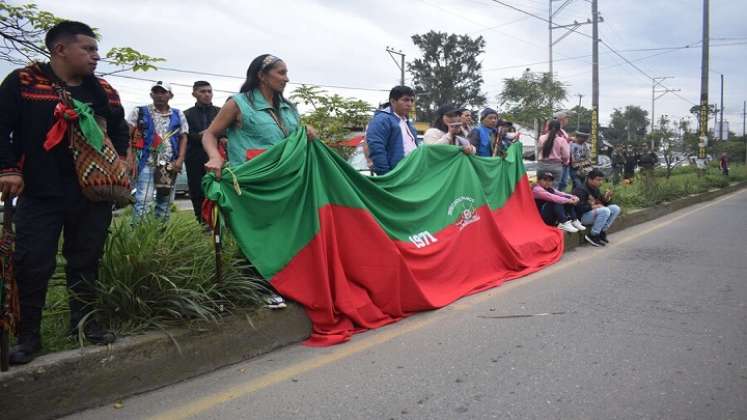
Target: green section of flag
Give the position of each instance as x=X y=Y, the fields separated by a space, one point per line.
x=271 y=203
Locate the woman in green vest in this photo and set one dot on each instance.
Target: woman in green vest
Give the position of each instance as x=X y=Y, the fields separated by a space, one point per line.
x=255 y=119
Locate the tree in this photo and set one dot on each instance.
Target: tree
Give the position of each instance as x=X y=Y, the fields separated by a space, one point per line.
x=668 y=143
x=581 y=119
x=627 y=126
x=333 y=116
x=530 y=98
x=22 y=29
x=447 y=73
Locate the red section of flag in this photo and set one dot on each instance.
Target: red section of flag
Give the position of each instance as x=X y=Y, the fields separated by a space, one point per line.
x=352 y=276
x=252 y=153
x=353 y=141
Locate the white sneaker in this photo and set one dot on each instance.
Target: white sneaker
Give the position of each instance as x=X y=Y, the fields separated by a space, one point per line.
x=274 y=301
x=578 y=225
x=567 y=226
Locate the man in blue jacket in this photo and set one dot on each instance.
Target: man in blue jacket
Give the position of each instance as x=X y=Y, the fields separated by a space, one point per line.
x=390 y=135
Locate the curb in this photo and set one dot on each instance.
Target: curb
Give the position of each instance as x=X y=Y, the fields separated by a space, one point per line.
x=94 y=376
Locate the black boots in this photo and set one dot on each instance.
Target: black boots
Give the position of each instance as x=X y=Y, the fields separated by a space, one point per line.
x=94 y=333
x=26 y=349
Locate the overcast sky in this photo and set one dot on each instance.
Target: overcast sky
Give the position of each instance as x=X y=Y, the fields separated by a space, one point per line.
x=342 y=43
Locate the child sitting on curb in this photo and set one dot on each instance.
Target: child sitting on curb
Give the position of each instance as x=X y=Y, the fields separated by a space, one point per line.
x=556 y=207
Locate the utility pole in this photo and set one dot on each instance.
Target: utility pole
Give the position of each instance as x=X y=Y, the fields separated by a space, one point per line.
x=721 y=126
x=551 y=27
x=657 y=82
x=401 y=64
x=744 y=126
x=549 y=34
x=594 y=81
x=578 y=113
x=716 y=110
x=704 y=87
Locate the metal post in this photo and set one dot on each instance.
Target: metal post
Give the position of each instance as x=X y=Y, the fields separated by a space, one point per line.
x=594 y=81
x=744 y=133
x=570 y=28
x=715 y=118
x=721 y=126
x=549 y=31
x=578 y=113
x=400 y=65
x=704 y=85
x=402 y=71
x=653 y=111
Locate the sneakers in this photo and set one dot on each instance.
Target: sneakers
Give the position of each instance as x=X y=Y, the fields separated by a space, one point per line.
x=593 y=240
x=275 y=301
x=577 y=224
x=603 y=237
x=567 y=226
x=25 y=350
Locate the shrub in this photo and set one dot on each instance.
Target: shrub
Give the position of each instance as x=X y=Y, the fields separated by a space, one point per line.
x=154 y=275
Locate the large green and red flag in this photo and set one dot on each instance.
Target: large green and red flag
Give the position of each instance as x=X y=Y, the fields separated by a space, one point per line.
x=361 y=252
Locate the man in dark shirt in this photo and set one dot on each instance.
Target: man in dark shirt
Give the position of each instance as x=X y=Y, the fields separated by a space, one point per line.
x=199 y=118
x=595 y=208
x=50 y=198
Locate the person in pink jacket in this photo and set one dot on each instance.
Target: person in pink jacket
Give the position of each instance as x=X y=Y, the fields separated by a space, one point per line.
x=556 y=207
x=554 y=152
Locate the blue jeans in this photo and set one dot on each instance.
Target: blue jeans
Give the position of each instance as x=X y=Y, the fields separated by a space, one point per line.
x=601 y=218
x=145 y=193
x=564 y=178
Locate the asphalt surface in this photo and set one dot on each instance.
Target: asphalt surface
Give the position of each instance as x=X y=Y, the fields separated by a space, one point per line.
x=652 y=327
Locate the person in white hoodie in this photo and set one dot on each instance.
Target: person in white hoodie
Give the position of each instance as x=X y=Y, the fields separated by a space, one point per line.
x=556 y=207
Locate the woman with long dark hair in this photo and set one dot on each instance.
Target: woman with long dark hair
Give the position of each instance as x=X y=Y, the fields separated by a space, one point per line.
x=255 y=119
x=554 y=152
x=447 y=129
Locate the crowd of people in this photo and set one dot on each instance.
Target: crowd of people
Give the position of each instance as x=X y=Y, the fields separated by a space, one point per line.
x=561 y=158
x=156 y=140
x=627 y=158
x=45 y=106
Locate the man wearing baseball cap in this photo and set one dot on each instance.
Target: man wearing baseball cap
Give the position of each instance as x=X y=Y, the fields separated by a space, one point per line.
x=158 y=147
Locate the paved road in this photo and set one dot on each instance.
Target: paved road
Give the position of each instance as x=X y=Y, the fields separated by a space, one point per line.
x=652 y=327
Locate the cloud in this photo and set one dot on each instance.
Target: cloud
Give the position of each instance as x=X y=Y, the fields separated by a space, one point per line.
x=342 y=42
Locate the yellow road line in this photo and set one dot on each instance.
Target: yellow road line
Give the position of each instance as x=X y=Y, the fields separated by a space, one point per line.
x=389 y=333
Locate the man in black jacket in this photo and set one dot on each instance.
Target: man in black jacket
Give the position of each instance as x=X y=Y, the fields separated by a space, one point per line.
x=50 y=199
x=595 y=208
x=199 y=118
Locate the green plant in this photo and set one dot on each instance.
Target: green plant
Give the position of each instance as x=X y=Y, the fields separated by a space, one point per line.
x=332 y=116
x=156 y=275
x=683 y=182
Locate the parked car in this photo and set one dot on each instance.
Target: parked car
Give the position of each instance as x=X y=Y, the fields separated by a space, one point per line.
x=181 y=185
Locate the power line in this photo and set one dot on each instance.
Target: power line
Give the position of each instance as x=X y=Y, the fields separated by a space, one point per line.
x=589 y=36
x=665 y=49
x=537 y=17
x=570 y=76
x=230 y=76
x=480 y=23
x=630 y=63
